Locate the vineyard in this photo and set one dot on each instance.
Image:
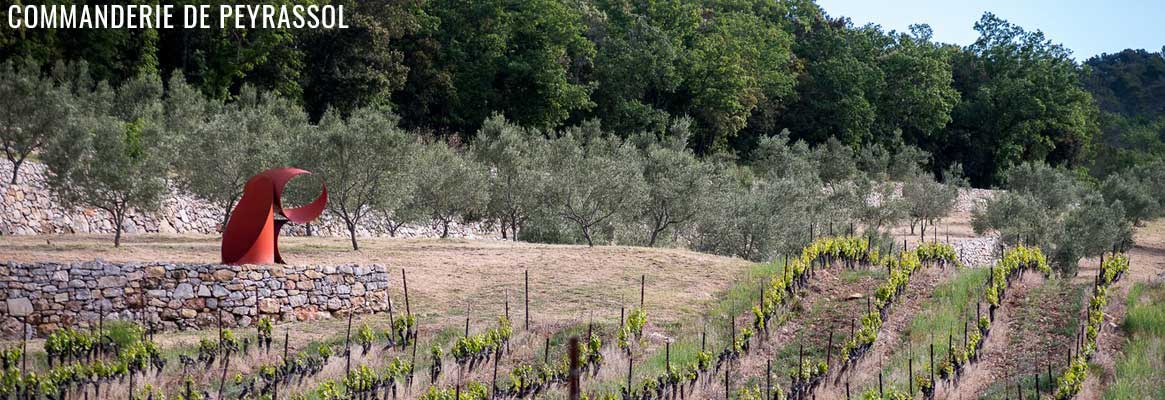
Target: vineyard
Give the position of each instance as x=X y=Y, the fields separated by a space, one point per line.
x=846 y=317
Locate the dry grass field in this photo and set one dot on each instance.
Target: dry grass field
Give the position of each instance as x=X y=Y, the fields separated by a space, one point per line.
x=567 y=283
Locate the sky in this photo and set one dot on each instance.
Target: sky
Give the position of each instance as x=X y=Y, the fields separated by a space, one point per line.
x=1088 y=28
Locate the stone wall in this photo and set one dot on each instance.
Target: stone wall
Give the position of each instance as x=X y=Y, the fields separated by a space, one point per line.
x=179 y=296
x=29 y=208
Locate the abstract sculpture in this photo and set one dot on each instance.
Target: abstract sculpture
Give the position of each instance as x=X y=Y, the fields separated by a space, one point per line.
x=252 y=233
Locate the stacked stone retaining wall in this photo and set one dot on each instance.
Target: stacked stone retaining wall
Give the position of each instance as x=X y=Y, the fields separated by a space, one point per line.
x=180 y=296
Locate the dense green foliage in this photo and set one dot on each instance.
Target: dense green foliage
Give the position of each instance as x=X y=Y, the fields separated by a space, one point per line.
x=738 y=128
x=734 y=71
x=1129 y=88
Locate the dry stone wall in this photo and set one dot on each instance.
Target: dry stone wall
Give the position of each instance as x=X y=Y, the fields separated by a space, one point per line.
x=180 y=296
x=29 y=208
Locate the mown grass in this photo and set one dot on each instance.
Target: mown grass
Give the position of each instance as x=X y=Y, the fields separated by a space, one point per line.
x=1140 y=370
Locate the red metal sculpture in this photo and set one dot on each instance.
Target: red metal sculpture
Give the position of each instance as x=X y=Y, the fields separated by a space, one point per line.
x=252 y=233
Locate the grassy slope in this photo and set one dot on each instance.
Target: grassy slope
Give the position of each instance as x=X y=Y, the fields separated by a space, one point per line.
x=949 y=305
x=1141 y=367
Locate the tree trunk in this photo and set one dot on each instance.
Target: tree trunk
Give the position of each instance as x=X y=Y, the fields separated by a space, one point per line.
x=352 y=235
x=654 y=234
x=587 y=235
x=514 y=229
x=16 y=169
x=444 y=229
x=117 y=218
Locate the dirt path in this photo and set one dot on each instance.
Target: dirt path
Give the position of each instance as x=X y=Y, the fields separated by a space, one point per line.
x=991 y=365
x=864 y=372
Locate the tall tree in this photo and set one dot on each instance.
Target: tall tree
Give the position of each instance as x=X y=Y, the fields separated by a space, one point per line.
x=719 y=62
x=1129 y=88
x=1022 y=101
x=676 y=181
x=520 y=59
x=344 y=69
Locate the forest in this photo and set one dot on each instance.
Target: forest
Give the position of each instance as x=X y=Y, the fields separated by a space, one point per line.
x=740 y=70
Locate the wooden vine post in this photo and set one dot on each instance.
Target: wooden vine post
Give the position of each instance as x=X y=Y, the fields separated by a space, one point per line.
x=769 y=378
x=413 y=362
x=546 y=351
x=630 y=370
x=347 y=345
x=667 y=355
x=24 y=331
x=932 y=383
x=829 y=349
x=226 y=356
x=405 y=281
x=574 y=368
x=910 y=372
x=642 y=285
x=527 y=294
x=494 y=390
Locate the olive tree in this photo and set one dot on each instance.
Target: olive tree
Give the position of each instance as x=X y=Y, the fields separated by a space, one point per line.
x=397 y=204
x=756 y=218
x=1135 y=196
x=927 y=200
x=1089 y=229
x=249 y=136
x=358 y=158
x=593 y=176
x=881 y=206
x=115 y=154
x=1018 y=218
x=450 y=187
x=677 y=184
x=33 y=111
x=1049 y=208
x=515 y=176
